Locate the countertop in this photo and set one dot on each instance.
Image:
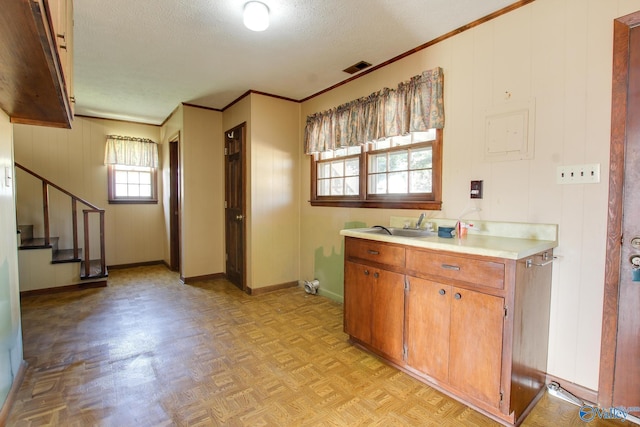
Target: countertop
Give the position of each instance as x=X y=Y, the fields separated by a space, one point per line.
x=474 y=244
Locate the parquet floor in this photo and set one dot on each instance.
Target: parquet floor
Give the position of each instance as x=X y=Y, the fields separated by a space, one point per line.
x=149 y=351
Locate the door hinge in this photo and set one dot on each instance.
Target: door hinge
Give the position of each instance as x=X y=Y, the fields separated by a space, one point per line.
x=406 y=284
x=505 y=311
x=226 y=151
x=225 y=204
x=405 y=352
x=501 y=396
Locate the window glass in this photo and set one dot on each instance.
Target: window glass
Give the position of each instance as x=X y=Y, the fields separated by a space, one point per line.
x=131 y=184
x=402 y=171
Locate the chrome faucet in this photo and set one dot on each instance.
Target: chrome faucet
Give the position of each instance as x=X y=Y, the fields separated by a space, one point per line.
x=420 y=219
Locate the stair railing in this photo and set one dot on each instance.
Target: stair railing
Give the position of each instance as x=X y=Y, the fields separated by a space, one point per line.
x=74 y=218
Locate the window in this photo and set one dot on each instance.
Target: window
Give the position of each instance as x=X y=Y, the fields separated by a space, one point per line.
x=399 y=172
x=132 y=184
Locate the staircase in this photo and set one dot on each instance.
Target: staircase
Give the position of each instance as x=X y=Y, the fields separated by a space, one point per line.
x=75 y=262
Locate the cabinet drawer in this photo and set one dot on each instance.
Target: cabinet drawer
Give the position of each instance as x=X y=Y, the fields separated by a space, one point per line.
x=476 y=271
x=378 y=252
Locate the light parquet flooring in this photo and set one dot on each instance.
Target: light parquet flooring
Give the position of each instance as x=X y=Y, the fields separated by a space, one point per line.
x=150 y=351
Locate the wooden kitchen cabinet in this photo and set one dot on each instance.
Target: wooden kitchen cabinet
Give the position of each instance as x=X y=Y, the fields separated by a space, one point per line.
x=454 y=336
x=375 y=315
x=475 y=327
x=428 y=327
x=37 y=88
x=374 y=296
x=61 y=12
x=475 y=351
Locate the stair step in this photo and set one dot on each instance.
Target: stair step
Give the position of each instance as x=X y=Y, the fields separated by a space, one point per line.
x=39 y=243
x=94 y=270
x=65 y=255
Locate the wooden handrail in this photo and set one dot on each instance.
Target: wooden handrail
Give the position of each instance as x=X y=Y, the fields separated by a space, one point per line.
x=43 y=179
x=74 y=215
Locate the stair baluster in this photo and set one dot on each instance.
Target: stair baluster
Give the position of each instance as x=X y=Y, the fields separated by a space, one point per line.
x=87 y=273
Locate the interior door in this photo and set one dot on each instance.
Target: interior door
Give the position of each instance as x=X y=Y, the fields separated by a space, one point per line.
x=174 y=204
x=235 y=205
x=620 y=349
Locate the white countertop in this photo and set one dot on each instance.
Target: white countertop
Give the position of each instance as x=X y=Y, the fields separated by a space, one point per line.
x=475 y=244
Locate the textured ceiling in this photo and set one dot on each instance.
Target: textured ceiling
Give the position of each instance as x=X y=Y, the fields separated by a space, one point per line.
x=138 y=59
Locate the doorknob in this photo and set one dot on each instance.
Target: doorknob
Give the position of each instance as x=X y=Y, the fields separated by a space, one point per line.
x=239 y=217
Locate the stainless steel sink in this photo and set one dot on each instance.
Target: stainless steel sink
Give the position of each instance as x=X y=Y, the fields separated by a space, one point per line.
x=400 y=232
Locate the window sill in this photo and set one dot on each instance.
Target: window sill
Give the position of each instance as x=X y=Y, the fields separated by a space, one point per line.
x=424 y=205
x=133 y=202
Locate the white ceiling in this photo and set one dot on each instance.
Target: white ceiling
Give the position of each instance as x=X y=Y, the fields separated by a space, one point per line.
x=138 y=59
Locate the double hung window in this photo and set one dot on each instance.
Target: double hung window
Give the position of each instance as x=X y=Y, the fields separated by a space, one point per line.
x=131 y=165
x=397 y=172
x=381 y=151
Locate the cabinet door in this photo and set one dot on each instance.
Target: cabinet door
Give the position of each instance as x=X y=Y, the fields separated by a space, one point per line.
x=388 y=313
x=357 y=301
x=428 y=312
x=475 y=353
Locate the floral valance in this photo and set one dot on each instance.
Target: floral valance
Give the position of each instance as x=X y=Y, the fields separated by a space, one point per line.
x=414 y=106
x=130 y=151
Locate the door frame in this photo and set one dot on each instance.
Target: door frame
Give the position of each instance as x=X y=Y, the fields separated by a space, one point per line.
x=175 y=235
x=621 y=34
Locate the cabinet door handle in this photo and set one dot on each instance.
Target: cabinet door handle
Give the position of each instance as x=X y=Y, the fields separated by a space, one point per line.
x=450 y=267
x=376 y=275
x=372 y=252
x=366 y=272
x=442 y=292
x=457 y=295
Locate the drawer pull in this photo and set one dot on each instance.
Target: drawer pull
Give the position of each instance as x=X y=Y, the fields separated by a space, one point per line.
x=376 y=275
x=450 y=267
x=372 y=252
x=366 y=272
x=457 y=295
x=442 y=292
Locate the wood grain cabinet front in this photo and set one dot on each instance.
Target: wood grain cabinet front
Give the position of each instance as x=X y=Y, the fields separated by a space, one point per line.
x=454 y=336
x=475 y=327
x=37 y=86
x=374 y=308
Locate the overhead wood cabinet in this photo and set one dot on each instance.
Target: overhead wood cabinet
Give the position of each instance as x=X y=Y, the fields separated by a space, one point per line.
x=475 y=327
x=36 y=61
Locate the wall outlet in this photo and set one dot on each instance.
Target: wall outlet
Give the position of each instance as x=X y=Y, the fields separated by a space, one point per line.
x=578 y=174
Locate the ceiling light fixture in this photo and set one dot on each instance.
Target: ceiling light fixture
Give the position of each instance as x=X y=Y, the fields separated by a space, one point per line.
x=256 y=16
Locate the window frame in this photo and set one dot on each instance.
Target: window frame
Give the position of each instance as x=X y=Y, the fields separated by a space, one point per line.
x=431 y=201
x=113 y=199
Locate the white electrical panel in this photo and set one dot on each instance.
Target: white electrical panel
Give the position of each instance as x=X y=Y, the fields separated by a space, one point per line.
x=509 y=131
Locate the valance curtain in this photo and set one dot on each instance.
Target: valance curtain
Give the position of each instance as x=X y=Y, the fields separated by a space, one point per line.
x=414 y=106
x=129 y=151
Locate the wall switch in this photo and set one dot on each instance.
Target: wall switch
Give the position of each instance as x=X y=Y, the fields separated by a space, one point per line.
x=476 y=189
x=578 y=174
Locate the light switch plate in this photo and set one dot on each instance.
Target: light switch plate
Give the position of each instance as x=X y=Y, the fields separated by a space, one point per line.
x=476 y=190
x=578 y=174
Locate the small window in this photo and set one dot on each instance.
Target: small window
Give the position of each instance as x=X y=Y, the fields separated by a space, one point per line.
x=132 y=184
